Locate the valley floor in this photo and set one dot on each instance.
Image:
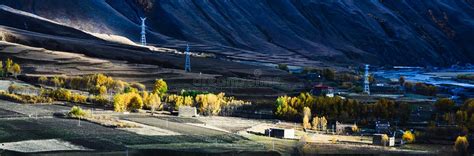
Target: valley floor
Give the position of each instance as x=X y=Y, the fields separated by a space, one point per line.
x=43 y=132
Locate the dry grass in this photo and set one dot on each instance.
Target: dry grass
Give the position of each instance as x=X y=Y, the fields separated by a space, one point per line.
x=107 y=121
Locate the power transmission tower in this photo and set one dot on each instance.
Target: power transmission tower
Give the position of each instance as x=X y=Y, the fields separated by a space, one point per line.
x=187 y=64
x=366 y=80
x=143 y=33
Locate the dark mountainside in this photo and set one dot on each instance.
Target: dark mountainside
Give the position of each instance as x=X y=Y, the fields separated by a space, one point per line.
x=298 y=32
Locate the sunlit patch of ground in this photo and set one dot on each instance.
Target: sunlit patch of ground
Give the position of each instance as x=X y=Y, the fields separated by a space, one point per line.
x=31 y=146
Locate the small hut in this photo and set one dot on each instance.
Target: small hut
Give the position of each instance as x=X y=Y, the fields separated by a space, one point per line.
x=187 y=111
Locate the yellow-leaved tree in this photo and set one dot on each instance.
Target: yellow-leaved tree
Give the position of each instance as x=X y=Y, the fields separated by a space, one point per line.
x=16 y=69
x=306 y=117
x=461 y=145
x=316 y=123
x=160 y=87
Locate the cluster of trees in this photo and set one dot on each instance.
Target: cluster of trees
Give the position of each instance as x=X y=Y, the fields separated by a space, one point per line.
x=462 y=116
x=206 y=103
x=127 y=96
x=61 y=94
x=98 y=84
x=24 y=98
x=326 y=73
x=134 y=99
x=9 y=68
x=421 y=88
x=336 y=108
x=319 y=123
x=469 y=77
x=28 y=94
x=127 y=101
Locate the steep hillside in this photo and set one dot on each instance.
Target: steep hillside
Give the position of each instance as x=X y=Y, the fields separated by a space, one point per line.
x=299 y=32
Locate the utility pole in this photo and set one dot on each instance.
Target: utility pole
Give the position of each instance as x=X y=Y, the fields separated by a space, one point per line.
x=187 y=64
x=366 y=80
x=143 y=33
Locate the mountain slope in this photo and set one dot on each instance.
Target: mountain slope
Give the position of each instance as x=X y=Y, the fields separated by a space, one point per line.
x=299 y=32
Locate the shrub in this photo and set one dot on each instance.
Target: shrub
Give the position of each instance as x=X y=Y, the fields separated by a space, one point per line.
x=57 y=94
x=283 y=67
x=138 y=86
x=24 y=98
x=129 y=89
x=78 y=98
x=57 y=81
x=192 y=93
x=101 y=100
x=43 y=80
x=77 y=112
x=118 y=86
x=408 y=137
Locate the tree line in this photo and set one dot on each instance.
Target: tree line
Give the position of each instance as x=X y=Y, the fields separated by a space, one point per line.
x=343 y=110
x=10 y=68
